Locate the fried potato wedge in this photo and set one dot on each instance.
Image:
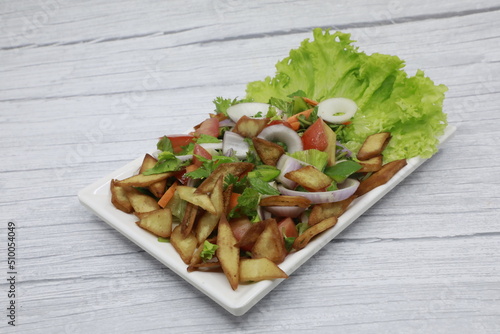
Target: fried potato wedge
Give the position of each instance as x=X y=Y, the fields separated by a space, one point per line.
x=250 y=127
x=270 y=243
x=157 y=188
x=208 y=222
x=205 y=226
x=227 y=253
x=217 y=197
x=119 y=197
x=141 y=202
x=202 y=200
x=324 y=211
x=374 y=145
x=184 y=245
x=248 y=239
x=158 y=222
x=234 y=168
x=188 y=221
x=371 y=165
x=381 y=177
x=302 y=240
x=254 y=270
x=282 y=200
x=309 y=177
x=141 y=180
x=268 y=152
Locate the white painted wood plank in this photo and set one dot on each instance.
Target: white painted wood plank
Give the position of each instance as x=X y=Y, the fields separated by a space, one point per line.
x=424 y=259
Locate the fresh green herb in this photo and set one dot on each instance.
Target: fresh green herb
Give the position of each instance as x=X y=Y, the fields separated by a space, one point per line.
x=265 y=173
x=209 y=165
x=332 y=186
x=238 y=185
x=248 y=203
x=262 y=187
x=208 y=251
x=186 y=149
x=289 y=243
x=204 y=139
x=259 y=114
x=341 y=171
x=167 y=162
x=221 y=104
x=165 y=145
x=160 y=239
x=299 y=93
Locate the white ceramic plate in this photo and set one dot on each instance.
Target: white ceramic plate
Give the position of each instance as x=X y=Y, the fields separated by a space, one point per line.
x=97 y=198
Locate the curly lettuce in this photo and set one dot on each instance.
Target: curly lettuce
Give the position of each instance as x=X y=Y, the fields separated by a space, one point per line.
x=410 y=107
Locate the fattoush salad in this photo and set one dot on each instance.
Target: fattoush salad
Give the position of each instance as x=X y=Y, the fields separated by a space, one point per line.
x=263 y=175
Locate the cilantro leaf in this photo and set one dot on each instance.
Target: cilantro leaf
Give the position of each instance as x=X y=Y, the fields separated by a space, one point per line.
x=262 y=187
x=165 y=145
x=248 y=203
x=167 y=162
x=203 y=139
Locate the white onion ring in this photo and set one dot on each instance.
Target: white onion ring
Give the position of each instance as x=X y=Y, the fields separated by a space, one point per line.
x=249 y=109
x=236 y=143
x=283 y=134
x=285 y=211
x=287 y=164
x=346 y=189
x=337 y=105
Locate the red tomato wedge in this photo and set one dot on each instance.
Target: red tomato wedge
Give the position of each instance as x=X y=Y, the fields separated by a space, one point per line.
x=287 y=227
x=199 y=150
x=240 y=226
x=209 y=127
x=315 y=137
x=180 y=140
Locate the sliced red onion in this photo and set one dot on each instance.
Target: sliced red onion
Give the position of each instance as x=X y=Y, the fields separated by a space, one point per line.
x=285 y=211
x=337 y=110
x=346 y=189
x=263 y=214
x=283 y=134
x=287 y=164
x=236 y=143
x=348 y=152
x=249 y=109
x=226 y=122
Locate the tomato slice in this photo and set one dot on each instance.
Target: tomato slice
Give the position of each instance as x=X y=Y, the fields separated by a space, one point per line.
x=287 y=226
x=209 y=127
x=314 y=137
x=180 y=140
x=240 y=226
x=199 y=150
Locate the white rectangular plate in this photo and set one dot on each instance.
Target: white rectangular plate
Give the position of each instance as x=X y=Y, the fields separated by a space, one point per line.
x=97 y=198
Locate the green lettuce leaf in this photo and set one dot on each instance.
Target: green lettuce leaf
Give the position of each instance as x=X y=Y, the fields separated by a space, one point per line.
x=410 y=107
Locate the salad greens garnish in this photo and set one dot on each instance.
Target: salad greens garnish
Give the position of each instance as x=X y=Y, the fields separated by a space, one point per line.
x=208 y=251
x=409 y=107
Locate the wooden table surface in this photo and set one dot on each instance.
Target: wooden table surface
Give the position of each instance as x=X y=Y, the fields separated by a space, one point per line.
x=88 y=86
